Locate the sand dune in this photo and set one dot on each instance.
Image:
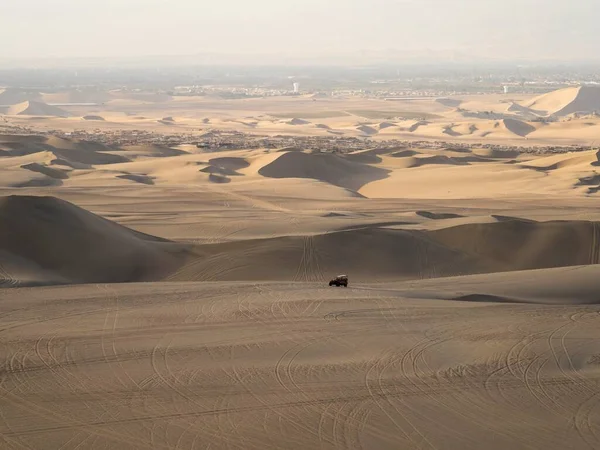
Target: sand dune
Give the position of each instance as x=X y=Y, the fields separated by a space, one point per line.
x=364 y=157
x=449 y=102
x=69 y=164
x=384 y=125
x=296 y=121
x=582 y=129
x=496 y=153
x=219 y=170
x=76 y=154
x=408 y=160
x=566 y=160
x=48 y=171
x=223 y=167
x=576 y=285
x=583 y=99
x=79 y=247
x=167 y=120
x=520 y=109
x=463 y=129
x=404 y=153
x=374 y=172
x=177 y=170
x=473 y=121
x=413 y=126
x=34 y=108
x=366 y=129
x=385 y=254
x=9 y=161
x=506 y=127
x=419 y=161
x=218 y=178
x=75 y=246
x=25 y=178
x=438 y=216
x=523 y=245
x=148 y=150
x=89 y=157
x=323 y=167
x=470 y=321
x=143 y=179
x=518 y=127
x=231 y=163
x=456 y=181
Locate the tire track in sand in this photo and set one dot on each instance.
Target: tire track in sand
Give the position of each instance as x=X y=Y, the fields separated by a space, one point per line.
x=6 y=279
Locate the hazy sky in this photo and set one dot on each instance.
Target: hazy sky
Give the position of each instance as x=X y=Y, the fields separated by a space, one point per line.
x=502 y=28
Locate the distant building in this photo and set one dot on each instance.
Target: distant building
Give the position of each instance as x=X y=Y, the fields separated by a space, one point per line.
x=296 y=88
x=506 y=89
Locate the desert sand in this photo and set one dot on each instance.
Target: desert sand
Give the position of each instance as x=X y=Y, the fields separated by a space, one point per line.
x=564 y=116
x=168 y=297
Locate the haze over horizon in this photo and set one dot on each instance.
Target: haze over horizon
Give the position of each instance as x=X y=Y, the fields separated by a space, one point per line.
x=520 y=29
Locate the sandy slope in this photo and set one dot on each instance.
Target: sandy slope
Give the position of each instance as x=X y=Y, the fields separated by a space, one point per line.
x=35 y=108
x=298 y=366
x=328 y=168
x=67 y=245
x=29 y=161
x=379 y=254
x=70 y=245
x=582 y=99
x=193 y=309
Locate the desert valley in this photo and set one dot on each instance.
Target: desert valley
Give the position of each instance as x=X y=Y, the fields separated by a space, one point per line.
x=165 y=260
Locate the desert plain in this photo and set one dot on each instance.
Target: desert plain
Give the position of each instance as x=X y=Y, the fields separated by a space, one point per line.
x=175 y=297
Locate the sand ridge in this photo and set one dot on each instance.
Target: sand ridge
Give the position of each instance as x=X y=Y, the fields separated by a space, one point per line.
x=582 y=99
x=75 y=245
x=79 y=247
x=36 y=108
x=382 y=173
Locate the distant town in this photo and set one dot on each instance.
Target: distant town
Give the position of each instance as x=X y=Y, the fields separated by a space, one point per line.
x=226 y=140
x=372 y=81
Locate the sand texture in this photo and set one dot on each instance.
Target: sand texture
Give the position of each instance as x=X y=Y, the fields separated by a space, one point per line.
x=157 y=296
x=564 y=116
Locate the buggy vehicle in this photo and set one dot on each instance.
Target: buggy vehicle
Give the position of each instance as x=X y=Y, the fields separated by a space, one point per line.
x=340 y=280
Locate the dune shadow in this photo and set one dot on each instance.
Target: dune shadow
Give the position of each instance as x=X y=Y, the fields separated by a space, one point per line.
x=438 y=216
x=450 y=132
x=45 y=170
x=216 y=178
x=486 y=298
x=142 y=179
x=324 y=167
x=404 y=154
